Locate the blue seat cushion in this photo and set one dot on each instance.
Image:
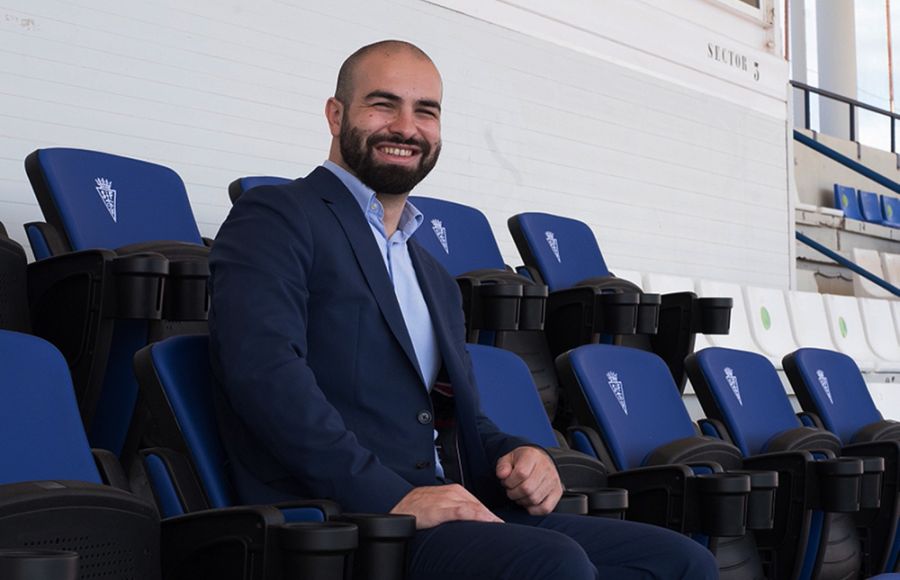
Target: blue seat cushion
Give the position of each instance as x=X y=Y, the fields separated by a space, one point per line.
x=870 y=206
x=846 y=198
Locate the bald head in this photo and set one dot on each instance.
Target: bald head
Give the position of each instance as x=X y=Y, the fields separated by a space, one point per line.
x=346 y=76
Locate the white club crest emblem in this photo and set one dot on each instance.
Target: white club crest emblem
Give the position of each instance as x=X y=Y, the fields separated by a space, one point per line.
x=554 y=245
x=618 y=389
x=107 y=194
x=823 y=380
x=441 y=232
x=733 y=383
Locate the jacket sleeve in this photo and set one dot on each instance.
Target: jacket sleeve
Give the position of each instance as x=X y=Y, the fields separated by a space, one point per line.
x=260 y=264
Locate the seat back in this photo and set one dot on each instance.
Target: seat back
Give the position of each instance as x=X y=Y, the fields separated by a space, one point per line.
x=869 y=260
x=175 y=379
x=870 y=207
x=99 y=200
x=45 y=438
x=457 y=235
x=237 y=187
x=739 y=335
x=508 y=395
x=890 y=209
x=769 y=323
x=564 y=251
x=808 y=319
x=667 y=283
x=742 y=389
x=847 y=199
x=845 y=323
x=829 y=384
x=878 y=323
x=631 y=397
x=890 y=266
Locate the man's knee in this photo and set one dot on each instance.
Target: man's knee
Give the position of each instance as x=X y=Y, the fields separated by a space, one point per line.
x=555 y=556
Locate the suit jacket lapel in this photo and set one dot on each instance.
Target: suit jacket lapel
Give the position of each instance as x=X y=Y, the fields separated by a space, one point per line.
x=359 y=233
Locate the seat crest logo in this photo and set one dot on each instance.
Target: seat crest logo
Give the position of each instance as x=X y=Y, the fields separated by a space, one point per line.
x=441 y=232
x=618 y=389
x=823 y=380
x=554 y=244
x=733 y=383
x=107 y=194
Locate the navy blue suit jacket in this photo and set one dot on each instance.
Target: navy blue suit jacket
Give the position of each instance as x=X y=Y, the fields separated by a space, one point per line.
x=319 y=392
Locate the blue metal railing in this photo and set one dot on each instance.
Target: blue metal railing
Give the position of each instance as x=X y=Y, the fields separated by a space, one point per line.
x=847 y=263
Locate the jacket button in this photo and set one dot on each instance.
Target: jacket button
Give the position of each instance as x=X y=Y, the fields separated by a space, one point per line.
x=424 y=417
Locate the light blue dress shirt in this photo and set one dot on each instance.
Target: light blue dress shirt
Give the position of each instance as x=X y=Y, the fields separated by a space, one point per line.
x=403 y=276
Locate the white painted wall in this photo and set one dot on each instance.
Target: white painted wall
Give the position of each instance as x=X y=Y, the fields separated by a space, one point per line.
x=615 y=114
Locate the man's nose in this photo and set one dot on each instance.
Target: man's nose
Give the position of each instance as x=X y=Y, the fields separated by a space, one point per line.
x=404 y=124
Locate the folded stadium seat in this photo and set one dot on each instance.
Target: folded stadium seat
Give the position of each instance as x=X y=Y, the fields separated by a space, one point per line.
x=502 y=308
x=635 y=421
x=769 y=322
x=509 y=398
x=809 y=321
x=745 y=403
x=834 y=396
x=847 y=199
x=845 y=322
x=563 y=253
x=56 y=493
x=96 y=200
x=890 y=208
x=878 y=322
x=869 y=260
x=237 y=187
x=188 y=471
x=870 y=207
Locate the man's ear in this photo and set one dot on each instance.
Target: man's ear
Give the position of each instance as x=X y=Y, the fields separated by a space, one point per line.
x=334 y=113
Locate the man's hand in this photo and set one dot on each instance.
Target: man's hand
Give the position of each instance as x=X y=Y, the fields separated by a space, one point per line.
x=435 y=504
x=530 y=479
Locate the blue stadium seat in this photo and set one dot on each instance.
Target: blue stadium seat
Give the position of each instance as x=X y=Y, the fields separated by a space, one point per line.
x=847 y=199
x=563 y=253
x=834 y=396
x=140 y=211
x=870 y=207
x=745 y=403
x=627 y=395
x=890 y=208
x=237 y=187
x=188 y=471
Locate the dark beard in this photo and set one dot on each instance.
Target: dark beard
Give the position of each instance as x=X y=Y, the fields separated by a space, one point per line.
x=389 y=179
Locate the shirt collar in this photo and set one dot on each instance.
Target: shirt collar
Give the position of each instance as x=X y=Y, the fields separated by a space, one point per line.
x=410 y=219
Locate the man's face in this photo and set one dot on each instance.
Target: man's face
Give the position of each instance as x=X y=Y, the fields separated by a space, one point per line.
x=390 y=131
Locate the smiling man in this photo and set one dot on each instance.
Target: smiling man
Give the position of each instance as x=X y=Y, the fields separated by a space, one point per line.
x=329 y=329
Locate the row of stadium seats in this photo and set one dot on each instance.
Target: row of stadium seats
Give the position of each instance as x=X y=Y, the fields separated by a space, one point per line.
x=867 y=206
x=775 y=322
x=628 y=395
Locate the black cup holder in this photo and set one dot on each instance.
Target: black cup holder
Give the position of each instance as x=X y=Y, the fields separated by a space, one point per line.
x=572 y=503
x=713 y=315
x=26 y=564
x=533 y=311
x=498 y=306
x=382 y=550
x=761 y=503
x=870 y=486
x=606 y=502
x=648 y=313
x=721 y=503
x=839 y=484
x=187 y=296
x=139 y=285
x=616 y=313
x=317 y=550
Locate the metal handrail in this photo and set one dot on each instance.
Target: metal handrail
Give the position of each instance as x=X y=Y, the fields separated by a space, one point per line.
x=853 y=266
x=852 y=103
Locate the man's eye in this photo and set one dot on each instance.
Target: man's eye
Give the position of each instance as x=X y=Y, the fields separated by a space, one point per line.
x=383 y=105
x=429 y=113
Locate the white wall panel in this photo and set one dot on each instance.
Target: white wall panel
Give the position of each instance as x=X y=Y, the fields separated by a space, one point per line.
x=676 y=169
